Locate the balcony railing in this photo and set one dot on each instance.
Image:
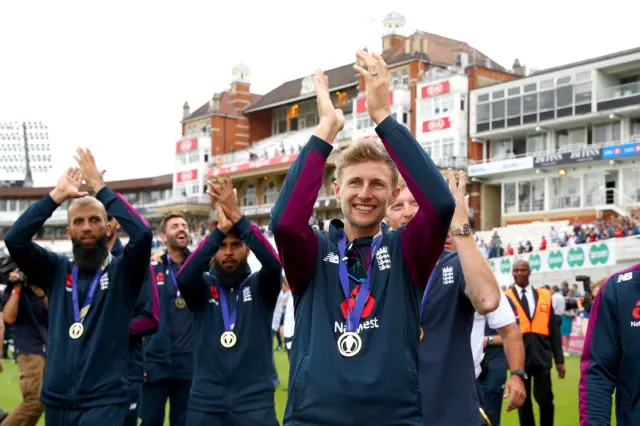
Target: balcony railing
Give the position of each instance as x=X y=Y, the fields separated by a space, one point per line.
x=451 y=162
x=621 y=91
x=564 y=148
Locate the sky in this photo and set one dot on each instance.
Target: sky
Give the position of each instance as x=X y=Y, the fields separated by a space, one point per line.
x=113 y=76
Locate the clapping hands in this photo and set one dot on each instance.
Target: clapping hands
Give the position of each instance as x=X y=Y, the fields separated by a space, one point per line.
x=225 y=196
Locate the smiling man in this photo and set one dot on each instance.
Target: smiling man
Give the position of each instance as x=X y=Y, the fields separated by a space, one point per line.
x=354 y=357
x=169 y=352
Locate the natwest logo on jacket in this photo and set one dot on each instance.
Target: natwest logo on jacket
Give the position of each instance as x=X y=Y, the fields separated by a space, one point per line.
x=435 y=125
x=339 y=327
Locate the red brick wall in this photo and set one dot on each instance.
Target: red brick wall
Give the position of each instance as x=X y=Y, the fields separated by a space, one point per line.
x=260 y=125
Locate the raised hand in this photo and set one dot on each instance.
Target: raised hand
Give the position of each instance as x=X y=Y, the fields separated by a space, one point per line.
x=221 y=190
x=224 y=223
x=376 y=78
x=68 y=186
x=89 y=170
x=331 y=119
x=458 y=190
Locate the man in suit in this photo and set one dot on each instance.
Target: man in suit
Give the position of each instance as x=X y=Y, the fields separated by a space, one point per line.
x=542 y=342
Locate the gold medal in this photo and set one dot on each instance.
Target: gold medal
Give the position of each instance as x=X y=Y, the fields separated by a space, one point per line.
x=76 y=330
x=180 y=303
x=421 y=334
x=228 y=339
x=349 y=344
x=486 y=419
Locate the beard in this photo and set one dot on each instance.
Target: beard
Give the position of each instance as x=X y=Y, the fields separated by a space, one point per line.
x=231 y=278
x=89 y=257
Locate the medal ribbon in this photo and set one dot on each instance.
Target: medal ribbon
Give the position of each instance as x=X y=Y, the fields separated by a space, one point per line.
x=230 y=319
x=79 y=314
x=173 y=276
x=353 y=316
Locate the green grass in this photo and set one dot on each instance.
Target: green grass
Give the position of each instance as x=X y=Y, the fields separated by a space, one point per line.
x=565 y=392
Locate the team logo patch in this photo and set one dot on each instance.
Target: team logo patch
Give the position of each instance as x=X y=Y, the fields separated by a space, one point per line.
x=544 y=307
x=368 y=304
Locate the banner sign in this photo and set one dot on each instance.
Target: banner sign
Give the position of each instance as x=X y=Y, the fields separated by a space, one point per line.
x=581 y=156
x=590 y=255
x=626 y=150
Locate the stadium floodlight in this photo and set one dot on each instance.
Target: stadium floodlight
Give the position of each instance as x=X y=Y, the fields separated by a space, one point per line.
x=22 y=138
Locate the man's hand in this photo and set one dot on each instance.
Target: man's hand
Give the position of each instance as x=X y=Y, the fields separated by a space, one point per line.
x=514 y=389
x=331 y=119
x=376 y=78
x=461 y=214
x=89 y=170
x=38 y=291
x=561 y=370
x=224 y=223
x=221 y=191
x=68 y=186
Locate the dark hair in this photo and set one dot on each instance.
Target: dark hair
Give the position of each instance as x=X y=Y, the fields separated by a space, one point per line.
x=167 y=218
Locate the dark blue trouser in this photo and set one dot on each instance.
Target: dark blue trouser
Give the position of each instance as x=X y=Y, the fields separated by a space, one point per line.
x=135 y=392
x=106 y=415
x=154 y=401
x=260 y=417
x=493 y=388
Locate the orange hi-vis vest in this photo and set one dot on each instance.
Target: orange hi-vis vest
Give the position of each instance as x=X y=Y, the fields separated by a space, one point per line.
x=539 y=324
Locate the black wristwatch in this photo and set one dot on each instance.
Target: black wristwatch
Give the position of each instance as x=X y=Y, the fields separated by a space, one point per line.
x=520 y=373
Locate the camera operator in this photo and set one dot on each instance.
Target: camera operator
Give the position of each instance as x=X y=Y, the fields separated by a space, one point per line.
x=26 y=310
x=584 y=306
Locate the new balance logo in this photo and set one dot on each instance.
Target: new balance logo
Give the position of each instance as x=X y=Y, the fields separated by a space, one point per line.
x=383 y=258
x=246 y=294
x=447 y=275
x=332 y=258
x=625 y=277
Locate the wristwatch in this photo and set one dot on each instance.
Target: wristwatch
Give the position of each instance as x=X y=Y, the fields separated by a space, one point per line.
x=490 y=341
x=520 y=373
x=463 y=230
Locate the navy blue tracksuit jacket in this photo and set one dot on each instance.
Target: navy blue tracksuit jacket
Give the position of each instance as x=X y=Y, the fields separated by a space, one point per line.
x=237 y=379
x=168 y=354
x=145 y=321
x=90 y=371
x=610 y=353
x=380 y=385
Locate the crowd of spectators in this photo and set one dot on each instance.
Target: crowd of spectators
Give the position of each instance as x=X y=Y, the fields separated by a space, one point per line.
x=581 y=233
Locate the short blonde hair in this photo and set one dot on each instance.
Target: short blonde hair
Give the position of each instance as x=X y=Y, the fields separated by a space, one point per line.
x=365 y=150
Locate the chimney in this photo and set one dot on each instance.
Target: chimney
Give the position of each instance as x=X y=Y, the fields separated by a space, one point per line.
x=214 y=103
x=240 y=95
x=186 y=111
x=393 y=31
x=518 y=69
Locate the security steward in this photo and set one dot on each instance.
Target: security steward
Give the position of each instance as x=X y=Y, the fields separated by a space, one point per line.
x=542 y=342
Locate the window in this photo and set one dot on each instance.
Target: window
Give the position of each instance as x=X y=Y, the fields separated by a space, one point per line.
x=484 y=113
x=531 y=196
x=566 y=140
x=582 y=93
x=405 y=76
x=537 y=144
x=501 y=149
x=270 y=193
x=593 y=189
x=249 y=198
x=509 y=197
x=565 y=192
x=631 y=183
x=604 y=133
x=513 y=107
x=547 y=100
x=497 y=110
x=524 y=197
x=530 y=103
x=447 y=148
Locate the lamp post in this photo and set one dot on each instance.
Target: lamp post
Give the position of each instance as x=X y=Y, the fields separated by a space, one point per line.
x=28 y=141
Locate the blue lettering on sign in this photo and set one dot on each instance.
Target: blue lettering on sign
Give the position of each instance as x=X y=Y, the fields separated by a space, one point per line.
x=625 y=150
